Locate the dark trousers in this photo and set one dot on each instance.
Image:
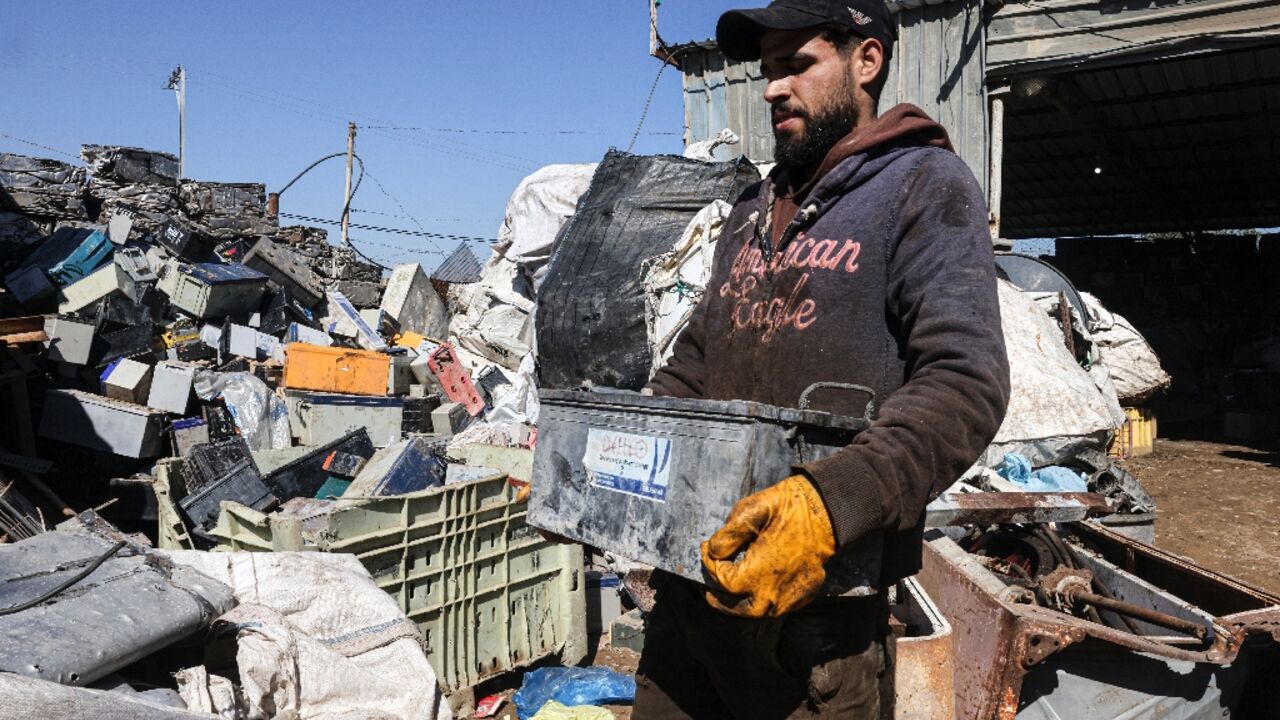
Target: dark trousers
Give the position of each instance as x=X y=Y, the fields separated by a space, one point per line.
x=832 y=659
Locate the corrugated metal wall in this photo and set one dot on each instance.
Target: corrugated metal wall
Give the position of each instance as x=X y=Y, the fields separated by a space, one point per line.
x=938 y=64
x=720 y=94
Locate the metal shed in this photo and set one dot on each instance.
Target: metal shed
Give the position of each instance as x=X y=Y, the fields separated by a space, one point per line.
x=1079 y=117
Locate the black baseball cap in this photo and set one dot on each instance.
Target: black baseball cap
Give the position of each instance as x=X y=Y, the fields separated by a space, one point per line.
x=739 y=31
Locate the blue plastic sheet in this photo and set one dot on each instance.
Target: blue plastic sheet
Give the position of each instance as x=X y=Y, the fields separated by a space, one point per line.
x=572 y=686
x=1054 y=478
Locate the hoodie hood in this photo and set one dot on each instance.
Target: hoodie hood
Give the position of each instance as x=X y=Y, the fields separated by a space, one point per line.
x=903 y=126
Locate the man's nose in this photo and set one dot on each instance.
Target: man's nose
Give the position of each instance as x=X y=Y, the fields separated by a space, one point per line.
x=776 y=90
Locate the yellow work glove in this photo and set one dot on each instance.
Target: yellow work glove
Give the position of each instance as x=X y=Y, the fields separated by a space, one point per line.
x=784 y=534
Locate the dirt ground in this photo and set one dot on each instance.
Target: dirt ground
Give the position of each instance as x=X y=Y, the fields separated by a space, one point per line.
x=1218 y=505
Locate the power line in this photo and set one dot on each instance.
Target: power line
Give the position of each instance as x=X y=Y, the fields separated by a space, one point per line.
x=469 y=152
x=476 y=131
x=394 y=231
x=396 y=200
x=33 y=143
x=362 y=211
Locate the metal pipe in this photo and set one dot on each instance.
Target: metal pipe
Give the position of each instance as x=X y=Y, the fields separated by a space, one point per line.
x=45 y=490
x=1102 y=588
x=1155 y=617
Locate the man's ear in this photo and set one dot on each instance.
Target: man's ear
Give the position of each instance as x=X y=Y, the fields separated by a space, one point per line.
x=869 y=63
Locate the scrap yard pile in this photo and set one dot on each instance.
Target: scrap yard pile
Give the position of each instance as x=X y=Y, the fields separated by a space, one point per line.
x=208 y=380
x=246 y=473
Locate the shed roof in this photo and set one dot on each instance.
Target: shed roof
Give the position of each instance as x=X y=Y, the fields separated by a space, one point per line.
x=460 y=267
x=1035 y=35
x=1182 y=144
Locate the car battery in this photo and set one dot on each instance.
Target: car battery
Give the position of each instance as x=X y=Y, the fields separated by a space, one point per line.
x=187 y=433
x=102 y=423
x=334 y=369
x=286 y=269
x=185 y=244
x=171 y=387
x=106 y=280
x=651 y=478
x=212 y=290
x=70 y=339
x=219 y=472
x=318 y=418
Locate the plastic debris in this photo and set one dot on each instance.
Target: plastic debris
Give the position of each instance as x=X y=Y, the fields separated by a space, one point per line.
x=571 y=687
x=1017 y=469
x=489 y=706
x=258 y=414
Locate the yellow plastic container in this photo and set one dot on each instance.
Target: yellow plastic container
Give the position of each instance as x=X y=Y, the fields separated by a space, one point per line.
x=1137 y=437
x=333 y=369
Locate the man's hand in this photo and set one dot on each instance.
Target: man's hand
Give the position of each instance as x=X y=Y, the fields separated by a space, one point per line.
x=784 y=534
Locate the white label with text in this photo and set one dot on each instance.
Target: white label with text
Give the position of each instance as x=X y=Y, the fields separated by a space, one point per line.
x=634 y=464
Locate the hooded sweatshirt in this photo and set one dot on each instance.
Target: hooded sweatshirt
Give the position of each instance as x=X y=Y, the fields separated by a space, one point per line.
x=878 y=272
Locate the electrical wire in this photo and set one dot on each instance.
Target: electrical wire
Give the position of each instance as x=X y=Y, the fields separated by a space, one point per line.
x=346 y=210
x=653 y=89
x=308 y=169
x=362 y=211
x=475 y=131
x=33 y=143
x=396 y=200
x=465 y=150
x=394 y=231
x=63 y=586
x=366 y=257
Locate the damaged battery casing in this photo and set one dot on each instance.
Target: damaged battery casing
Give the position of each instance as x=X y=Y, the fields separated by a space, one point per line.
x=131 y=605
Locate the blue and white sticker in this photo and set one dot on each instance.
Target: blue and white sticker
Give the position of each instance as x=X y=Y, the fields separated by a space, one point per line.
x=633 y=464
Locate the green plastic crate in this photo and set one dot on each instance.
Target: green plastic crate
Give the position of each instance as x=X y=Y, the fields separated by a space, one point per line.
x=488 y=593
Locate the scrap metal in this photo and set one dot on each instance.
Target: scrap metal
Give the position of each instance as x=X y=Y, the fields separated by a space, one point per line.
x=1001 y=634
x=14 y=331
x=991 y=508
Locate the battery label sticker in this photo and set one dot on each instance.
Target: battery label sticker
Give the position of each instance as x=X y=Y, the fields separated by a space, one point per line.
x=635 y=464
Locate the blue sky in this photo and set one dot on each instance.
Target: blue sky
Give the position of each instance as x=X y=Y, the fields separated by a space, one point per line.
x=495 y=89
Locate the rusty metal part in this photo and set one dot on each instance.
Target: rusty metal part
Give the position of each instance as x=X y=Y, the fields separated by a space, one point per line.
x=1101 y=587
x=996 y=508
x=1241 y=611
x=1064 y=321
x=14 y=331
x=1064 y=582
x=924 y=682
x=992 y=640
x=1070 y=587
x=1155 y=617
x=998 y=636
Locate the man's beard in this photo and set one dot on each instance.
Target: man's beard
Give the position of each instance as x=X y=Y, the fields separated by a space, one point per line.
x=806 y=150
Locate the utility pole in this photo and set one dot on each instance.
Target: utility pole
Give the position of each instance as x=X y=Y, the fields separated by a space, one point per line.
x=178 y=83
x=346 y=196
x=657 y=46
x=653 y=27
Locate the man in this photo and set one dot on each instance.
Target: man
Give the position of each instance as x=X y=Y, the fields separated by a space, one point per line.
x=863 y=258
